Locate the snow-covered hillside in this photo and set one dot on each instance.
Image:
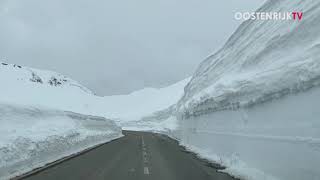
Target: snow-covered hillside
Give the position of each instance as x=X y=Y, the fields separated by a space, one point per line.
x=33 y=87
x=16 y=76
x=28 y=86
x=254 y=105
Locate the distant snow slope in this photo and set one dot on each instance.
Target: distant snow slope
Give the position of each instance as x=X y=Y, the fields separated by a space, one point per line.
x=254 y=105
x=28 y=86
x=261 y=61
x=152 y=109
x=145 y=102
x=32 y=137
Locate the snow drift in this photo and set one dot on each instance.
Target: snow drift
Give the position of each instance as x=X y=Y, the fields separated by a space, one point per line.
x=253 y=105
x=32 y=137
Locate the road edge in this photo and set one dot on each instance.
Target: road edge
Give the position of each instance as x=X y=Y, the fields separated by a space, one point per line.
x=61 y=160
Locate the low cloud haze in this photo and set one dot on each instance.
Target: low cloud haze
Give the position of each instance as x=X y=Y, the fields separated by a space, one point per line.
x=115 y=47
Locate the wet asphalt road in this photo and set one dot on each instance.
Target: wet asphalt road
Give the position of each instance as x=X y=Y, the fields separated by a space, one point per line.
x=136 y=156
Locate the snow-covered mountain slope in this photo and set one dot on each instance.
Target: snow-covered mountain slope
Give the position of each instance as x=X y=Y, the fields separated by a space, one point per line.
x=253 y=106
x=15 y=75
x=32 y=137
x=261 y=61
x=39 y=88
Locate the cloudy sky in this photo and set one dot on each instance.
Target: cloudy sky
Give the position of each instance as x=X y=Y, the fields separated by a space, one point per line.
x=117 y=46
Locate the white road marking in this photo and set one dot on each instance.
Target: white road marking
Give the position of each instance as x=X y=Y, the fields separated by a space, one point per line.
x=146 y=170
x=145 y=157
x=142 y=141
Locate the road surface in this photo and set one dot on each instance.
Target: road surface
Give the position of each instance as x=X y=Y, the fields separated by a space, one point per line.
x=136 y=156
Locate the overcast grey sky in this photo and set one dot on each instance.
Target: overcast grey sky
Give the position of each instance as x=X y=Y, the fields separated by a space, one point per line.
x=117 y=46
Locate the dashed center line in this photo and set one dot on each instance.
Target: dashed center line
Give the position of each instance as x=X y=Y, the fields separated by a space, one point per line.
x=142 y=139
x=146 y=170
x=145 y=157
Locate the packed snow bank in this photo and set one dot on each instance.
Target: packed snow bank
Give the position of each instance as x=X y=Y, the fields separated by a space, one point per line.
x=261 y=61
x=253 y=105
x=279 y=138
x=31 y=137
x=28 y=86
